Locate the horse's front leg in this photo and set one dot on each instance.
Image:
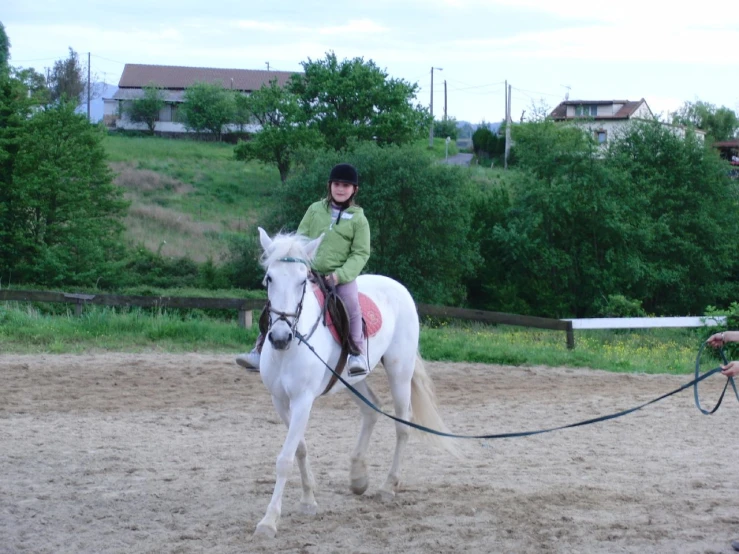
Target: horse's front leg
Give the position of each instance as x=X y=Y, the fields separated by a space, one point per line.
x=296 y=418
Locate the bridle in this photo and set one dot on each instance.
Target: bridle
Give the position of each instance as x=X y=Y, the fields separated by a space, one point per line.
x=283 y=316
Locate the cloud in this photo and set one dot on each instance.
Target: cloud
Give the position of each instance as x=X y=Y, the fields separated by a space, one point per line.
x=609 y=43
x=262 y=25
x=354 y=27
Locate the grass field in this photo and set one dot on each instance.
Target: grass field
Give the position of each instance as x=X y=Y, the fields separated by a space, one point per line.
x=185 y=194
x=28 y=328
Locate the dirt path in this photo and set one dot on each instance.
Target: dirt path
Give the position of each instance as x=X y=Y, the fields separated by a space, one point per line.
x=129 y=453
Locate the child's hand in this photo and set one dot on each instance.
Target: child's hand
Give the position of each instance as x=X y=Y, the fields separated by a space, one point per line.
x=332 y=279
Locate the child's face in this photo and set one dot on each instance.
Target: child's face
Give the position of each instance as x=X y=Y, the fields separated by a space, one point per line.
x=341 y=192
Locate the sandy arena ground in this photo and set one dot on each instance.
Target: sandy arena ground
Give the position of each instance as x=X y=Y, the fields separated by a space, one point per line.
x=161 y=453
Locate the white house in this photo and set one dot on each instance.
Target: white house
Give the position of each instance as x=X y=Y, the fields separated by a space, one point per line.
x=173 y=80
x=605 y=118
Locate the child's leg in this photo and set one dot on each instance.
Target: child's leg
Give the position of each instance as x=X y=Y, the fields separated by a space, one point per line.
x=349 y=293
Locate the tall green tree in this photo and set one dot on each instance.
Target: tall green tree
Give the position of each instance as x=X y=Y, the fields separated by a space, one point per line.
x=34 y=82
x=15 y=111
x=684 y=213
x=146 y=109
x=356 y=99
x=4 y=50
x=283 y=128
x=418 y=210
x=579 y=226
x=549 y=241
x=63 y=216
x=65 y=80
x=446 y=128
x=208 y=107
x=719 y=123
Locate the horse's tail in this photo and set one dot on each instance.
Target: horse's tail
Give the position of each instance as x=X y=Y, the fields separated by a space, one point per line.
x=424 y=410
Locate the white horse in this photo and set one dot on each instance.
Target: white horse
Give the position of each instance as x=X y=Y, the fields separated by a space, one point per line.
x=295 y=376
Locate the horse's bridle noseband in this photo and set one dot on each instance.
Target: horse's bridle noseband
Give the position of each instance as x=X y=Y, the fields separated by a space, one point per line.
x=283 y=316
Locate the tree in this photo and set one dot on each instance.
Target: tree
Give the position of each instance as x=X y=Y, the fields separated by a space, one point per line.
x=577 y=227
x=63 y=213
x=208 y=107
x=283 y=132
x=65 y=80
x=418 y=210
x=34 y=82
x=14 y=114
x=719 y=123
x=446 y=128
x=550 y=240
x=146 y=109
x=4 y=50
x=487 y=144
x=354 y=98
x=681 y=200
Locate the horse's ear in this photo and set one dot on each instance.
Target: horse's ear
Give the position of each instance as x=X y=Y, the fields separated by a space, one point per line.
x=264 y=239
x=312 y=246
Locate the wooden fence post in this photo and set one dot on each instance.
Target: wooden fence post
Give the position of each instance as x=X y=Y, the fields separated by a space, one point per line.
x=79 y=301
x=245 y=319
x=570 y=336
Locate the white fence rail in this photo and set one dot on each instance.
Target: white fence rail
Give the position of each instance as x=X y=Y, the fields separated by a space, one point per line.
x=646 y=322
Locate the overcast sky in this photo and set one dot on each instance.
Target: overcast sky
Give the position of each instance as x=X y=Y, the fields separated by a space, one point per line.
x=664 y=52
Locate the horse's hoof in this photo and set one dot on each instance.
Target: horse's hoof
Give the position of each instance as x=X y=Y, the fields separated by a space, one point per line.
x=359 y=484
x=265 y=530
x=386 y=496
x=309 y=509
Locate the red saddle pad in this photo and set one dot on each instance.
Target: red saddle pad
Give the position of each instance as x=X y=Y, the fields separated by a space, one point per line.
x=370 y=313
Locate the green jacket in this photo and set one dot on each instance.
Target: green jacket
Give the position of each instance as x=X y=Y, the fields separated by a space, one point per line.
x=345 y=248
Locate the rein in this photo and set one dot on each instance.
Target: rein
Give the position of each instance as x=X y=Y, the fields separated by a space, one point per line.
x=693 y=383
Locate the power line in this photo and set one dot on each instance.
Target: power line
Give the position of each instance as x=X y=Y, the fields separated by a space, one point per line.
x=107 y=59
x=468 y=86
x=36 y=60
x=535 y=92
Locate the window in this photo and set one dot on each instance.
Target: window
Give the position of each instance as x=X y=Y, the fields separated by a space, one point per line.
x=586 y=110
x=165 y=114
x=601 y=136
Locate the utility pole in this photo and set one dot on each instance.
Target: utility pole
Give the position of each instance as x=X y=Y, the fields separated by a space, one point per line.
x=267 y=65
x=431 y=107
x=88 y=87
x=445 y=100
x=507 y=124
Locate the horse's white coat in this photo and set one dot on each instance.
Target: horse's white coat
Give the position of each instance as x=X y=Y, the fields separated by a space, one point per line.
x=295 y=376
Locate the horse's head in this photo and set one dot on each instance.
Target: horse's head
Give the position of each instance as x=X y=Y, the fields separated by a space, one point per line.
x=286 y=260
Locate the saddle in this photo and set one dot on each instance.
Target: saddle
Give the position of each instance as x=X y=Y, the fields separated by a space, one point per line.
x=336 y=318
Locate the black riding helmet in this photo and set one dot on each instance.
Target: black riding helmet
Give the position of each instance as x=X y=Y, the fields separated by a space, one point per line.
x=343 y=173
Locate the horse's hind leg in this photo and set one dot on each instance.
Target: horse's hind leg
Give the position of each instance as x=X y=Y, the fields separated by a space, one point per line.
x=358 y=479
x=399 y=370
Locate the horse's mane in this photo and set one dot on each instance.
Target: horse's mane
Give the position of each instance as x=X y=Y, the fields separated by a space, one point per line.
x=285 y=245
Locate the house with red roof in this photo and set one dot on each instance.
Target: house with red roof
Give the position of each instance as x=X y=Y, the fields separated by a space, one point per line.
x=173 y=81
x=606 y=118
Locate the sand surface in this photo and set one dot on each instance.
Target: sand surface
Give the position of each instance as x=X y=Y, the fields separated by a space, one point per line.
x=161 y=453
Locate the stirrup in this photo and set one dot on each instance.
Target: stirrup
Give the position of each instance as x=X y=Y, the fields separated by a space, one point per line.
x=357 y=366
x=250 y=360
